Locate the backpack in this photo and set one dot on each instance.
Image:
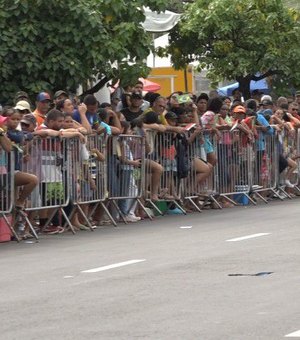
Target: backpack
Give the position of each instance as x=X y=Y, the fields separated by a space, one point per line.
x=183 y=162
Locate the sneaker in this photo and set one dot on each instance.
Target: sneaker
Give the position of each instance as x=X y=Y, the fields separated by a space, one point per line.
x=130 y=219
x=51 y=230
x=288 y=184
x=83 y=227
x=137 y=218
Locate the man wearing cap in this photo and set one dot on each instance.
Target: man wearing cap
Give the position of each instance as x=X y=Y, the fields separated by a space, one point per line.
x=23 y=107
x=43 y=101
x=60 y=95
x=21 y=95
x=134 y=110
x=28 y=123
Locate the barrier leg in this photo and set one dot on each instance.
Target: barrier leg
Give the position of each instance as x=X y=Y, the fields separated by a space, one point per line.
x=190 y=200
x=108 y=213
x=11 y=228
x=144 y=208
x=30 y=226
x=68 y=221
x=155 y=207
x=260 y=196
x=249 y=198
x=85 y=217
x=229 y=199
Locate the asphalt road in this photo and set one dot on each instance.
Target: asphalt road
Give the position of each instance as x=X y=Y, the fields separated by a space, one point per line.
x=180 y=287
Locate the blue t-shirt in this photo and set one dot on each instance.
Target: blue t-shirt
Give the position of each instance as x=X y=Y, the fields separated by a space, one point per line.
x=91 y=117
x=260 y=143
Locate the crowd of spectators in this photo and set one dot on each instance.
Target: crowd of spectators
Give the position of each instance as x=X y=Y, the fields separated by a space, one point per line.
x=199 y=118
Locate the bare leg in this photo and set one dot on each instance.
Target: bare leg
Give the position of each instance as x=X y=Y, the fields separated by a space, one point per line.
x=202 y=169
x=211 y=158
x=156 y=171
x=28 y=182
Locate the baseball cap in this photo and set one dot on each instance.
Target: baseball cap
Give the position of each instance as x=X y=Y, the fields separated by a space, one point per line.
x=297 y=93
x=23 y=105
x=266 y=102
x=2 y=120
x=59 y=93
x=171 y=115
x=239 y=109
x=42 y=96
x=21 y=94
x=29 y=119
x=265 y=96
x=136 y=95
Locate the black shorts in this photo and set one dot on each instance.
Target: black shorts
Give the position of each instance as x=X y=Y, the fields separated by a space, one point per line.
x=283 y=163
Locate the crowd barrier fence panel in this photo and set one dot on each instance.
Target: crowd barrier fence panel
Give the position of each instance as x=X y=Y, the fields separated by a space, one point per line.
x=234 y=166
x=50 y=160
x=290 y=149
x=90 y=177
x=163 y=150
x=126 y=173
x=265 y=165
x=195 y=154
x=7 y=188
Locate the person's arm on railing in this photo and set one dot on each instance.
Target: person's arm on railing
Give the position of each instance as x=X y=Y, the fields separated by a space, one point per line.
x=5 y=142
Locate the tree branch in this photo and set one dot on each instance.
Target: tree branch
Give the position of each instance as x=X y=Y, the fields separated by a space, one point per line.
x=265 y=75
x=95 y=88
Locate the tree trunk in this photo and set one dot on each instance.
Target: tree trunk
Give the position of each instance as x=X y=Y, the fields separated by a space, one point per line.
x=244 y=86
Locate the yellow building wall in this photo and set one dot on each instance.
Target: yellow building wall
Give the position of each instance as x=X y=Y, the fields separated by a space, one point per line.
x=172 y=80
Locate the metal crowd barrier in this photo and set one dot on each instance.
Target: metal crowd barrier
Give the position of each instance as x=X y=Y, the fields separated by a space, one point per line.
x=234 y=166
x=265 y=166
x=126 y=174
x=289 y=145
x=201 y=181
x=7 y=189
x=50 y=160
x=163 y=150
x=89 y=178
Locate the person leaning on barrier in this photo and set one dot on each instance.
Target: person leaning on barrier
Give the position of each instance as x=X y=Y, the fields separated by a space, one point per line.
x=208 y=122
x=153 y=169
x=133 y=111
x=18 y=138
x=59 y=95
x=51 y=174
x=287 y=163
x=87 y=114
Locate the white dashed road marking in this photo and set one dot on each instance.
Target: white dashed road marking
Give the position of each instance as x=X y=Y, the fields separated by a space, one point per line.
x=112 y=266
x=247 y=237
x=293 y=335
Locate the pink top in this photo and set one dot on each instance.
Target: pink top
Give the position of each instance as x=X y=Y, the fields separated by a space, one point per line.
x=208 y=120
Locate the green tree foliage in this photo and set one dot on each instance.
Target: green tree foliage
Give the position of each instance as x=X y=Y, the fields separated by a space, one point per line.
x=235 y=39
x=49 y=45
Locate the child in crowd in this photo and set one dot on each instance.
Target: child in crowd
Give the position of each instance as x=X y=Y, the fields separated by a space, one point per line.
x=126 y=173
